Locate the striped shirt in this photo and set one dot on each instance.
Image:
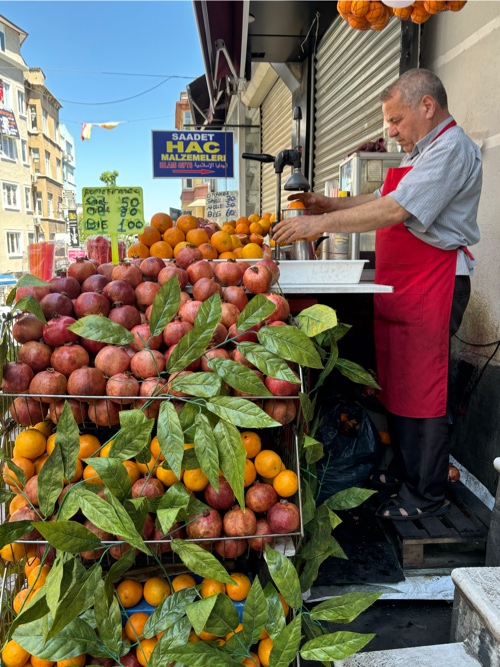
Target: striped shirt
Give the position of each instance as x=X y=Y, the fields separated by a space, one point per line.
x=442 y=191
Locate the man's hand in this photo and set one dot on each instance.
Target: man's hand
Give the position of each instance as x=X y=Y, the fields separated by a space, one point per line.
x=299 y=228
x=317 y=204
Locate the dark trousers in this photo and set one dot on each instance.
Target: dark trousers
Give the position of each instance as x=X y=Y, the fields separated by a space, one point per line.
x=421 y=446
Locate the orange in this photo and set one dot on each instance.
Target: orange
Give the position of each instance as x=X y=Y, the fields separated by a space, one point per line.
x=44 y=427
x=253 y=218
x=237 y=629
x=12 y=552
x=284 y=604
x=250 y=474
x=30 y=564
x=211 y=587
x=144 y=649
x=104 y=451
x=296 y=204
x=20 y=599
x=267 y=463
x=78 y=472
x=149 y=236
x=17 y=502
x=38 y=662
x=132 y=470
x=173 y=236
x=286 y=483
x=129 y=592
x=226 y=227
x=385 y=438
x=36 y=578
x=208 y=251
x=237 y=252
x=197 y=237
x=14 y=655
x=91 y=477
x=77 y=661
x=402 y=13
x=51 y=443
x=10 y=477
x=266 y=216
x=227 y=255
x=38 y=463
x=252 y=251
x=195 y=480
x=89 y=445
x=242 y=229
x=138 y=250
x=156 y=590
x=179 y=247
x=182 y=581
x=188 y=445
x=207 y=637
x=221 y=241
x=455 y=5
x=419 y=15
x=134 y=627
x=155 y=449
x=256 y=238
x=265 y=224
x=30 y=443
x=235 y=242
x=167 y=477
x=161 y=249
x=243 y=221
x=264 y=634
x=256 y=228
x=252 y=661
x=265 y=647
x=193 y=637
x=251 y=442
x=242 y=587
x=186 y=222
x=162 y=222
x=149 y=467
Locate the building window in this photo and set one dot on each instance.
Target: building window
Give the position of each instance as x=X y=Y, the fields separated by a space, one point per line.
x=69 y=149
x=21 y=103
x=10 y=196
x=14 y=244
x=50 y=201
x=189 y=183
x=187 y=118
x=24 y=151
x=8 y=147
x=35 y=157
x=58 y=169
x=56 y=131
x=38 y=203
x=2 y=38
x=60 y=209
x=47 y=163
x=7 y=95
x=45 y=119
x=31 y=237
x=33 y=117
x=27 y=199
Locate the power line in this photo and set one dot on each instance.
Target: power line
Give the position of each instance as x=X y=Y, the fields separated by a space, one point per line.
x=88 y=71
x=134 y=120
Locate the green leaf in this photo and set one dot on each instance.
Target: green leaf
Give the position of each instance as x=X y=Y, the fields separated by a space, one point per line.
x=335 y=646
x=311 y=569
x=314 y=449
x=137 y=509
x=256 y=310
x=275 y=614
x=200 y=561
x=284 y=576
x=74 y=639
x=6 y=496
x=348 y=498
x=203 y=385
x=113 y=474
x=50 y=481
x=165 y=305
x=171 y=504
x=308 y=504
x=316 y=319
x=100 y=328
x=199 y=611
x=307 y=406
x=254 y=614
x=13 y=530
x=29 y=280
x=68 y=441
x=175 y=635
x=108 y=618
x=341 y=330
x=267 y=362
x=239 y=377
x=191 y=346
x=286 y=644
x=331 y=361
x=70 y=505
x=206 y=450
x=122 y=565
x=134 y=435
x=319 y=546
x=232 y=458
x=200 y=654
x=10 y=297
x=290 y=343
x=240 y=412
x=16 y=472
x=169 y=611
x=188 y=415
x=29 y=304
x=356 y=373
x=171 y=437
x=210 y=312
x=335 y=520
x=224 y=617
x=69 y=536
x=32 y=610
x=345 y=608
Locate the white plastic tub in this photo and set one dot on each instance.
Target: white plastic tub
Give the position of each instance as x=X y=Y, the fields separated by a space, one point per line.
x=314 y=272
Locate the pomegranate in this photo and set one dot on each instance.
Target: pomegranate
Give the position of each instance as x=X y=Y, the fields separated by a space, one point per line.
x=193 y=366
x=130 y=659
x=240 y=359
x=120 y=291
x=95 y=283
x=211 y=354
x=238 y=392
x=147 y=363
x=198 y=270
x=87 y=381
x=175 y=330
x=54 y=303
x=120 y=386
x=104 y=412
x=170 y=270
x=257 y=543
x=282 y=387
x=142 y=335
x=27 y=327
x=151 y=409
x=273 y=268
x=207 y=524
x=92 y=303
x=112 y=360
x=284 y=517
x=56 y=331
x=106 y=269
x=128 y=272
x=228 y=273
x=126 y=315
x=236 y=296
x=219 y=335
x=185 y=297
x=35 y=355
x=78 y=409
x=260 y=497
x=68 y=358
x=145 y=293
x=277 y=323
x=453 y=473
x=175 y=532
x=26 y=514
x=37 y=292
x=174 y=376
x=148 y=527
x=204 y=288
x=16 y=377
x=92 y=346
x=238 y=523
x=116 y=552
x=257 y=279
x=151 y=267
x=153 y=387
x=188 y=255
x=282 y=310
x=81 y=269
x=222 y=499
x=230 y=314
x=101 y=534
x=31 y=490
x=67 y=284
x=189 y=310
x=148 y=488
x=249 y=334
x=281 y=410
x=231 y=548
x=45 y=553
x=48 y=382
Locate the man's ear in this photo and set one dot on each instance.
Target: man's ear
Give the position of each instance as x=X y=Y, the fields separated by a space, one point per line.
x=430 y=106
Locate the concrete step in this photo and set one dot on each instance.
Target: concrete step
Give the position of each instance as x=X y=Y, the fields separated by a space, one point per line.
x=442 y=655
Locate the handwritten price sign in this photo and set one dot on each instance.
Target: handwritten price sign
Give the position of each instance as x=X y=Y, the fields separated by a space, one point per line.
x=222 y=205
x=113 y=210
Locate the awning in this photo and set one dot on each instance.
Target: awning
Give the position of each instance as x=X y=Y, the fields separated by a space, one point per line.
x=7 y=279
x=199 y=104
x=197 y=202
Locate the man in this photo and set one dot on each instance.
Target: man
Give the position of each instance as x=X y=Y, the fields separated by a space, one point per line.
x=425 y=217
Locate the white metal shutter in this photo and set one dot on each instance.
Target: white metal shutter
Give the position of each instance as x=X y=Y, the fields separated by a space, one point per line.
x=352 y=68
x=277 y=126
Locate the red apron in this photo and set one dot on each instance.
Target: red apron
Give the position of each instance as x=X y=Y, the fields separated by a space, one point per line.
x=412 y=324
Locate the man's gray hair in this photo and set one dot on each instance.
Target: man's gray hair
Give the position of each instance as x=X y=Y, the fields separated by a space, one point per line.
x=413 y=85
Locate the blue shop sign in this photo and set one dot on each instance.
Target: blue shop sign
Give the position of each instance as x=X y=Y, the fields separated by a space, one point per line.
x=192 y=154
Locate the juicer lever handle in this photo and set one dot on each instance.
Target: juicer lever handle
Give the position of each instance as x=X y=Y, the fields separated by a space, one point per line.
x=261 y=157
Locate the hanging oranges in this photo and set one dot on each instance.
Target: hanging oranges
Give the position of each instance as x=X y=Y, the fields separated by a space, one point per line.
x=363 y=15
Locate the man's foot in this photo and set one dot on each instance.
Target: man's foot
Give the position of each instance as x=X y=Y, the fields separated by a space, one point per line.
x=399 y=510
x=383 y=479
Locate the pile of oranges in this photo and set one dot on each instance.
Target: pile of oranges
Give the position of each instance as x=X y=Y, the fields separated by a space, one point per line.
x=365 y=15
x=236 y=239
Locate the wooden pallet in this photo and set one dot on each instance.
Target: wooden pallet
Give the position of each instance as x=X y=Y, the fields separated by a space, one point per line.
x=456 y=539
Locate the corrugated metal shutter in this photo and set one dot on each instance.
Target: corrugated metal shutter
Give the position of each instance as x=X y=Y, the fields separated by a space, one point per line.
x=352 y=68
x=277 y=126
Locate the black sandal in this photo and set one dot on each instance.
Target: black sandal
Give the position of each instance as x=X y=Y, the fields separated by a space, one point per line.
x=392 y=510
x=383 y=479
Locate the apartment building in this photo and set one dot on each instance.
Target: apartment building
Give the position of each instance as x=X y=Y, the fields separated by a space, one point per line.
x=67 y=143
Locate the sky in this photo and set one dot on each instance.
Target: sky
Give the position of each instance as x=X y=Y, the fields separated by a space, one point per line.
x=95 y=54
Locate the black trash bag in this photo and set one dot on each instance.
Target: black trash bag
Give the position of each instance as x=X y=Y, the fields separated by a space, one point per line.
x=352 y=449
